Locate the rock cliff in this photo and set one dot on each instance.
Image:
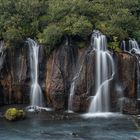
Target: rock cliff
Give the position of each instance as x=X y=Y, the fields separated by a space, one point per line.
x=56 y=74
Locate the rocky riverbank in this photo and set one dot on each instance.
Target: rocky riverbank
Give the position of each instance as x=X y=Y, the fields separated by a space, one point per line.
x=42 y=114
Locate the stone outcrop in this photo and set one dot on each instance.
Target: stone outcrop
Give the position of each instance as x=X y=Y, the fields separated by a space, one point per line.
x=15 y=75
x=123 y=85
x=60 y=71
x=56 y=73
x=127 y=74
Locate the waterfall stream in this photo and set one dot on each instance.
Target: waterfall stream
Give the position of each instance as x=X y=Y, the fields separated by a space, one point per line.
x=104 y=74
x=2 y=54
x=72 y=89
x=133 y=46
x=123 y=45
x=36 y=93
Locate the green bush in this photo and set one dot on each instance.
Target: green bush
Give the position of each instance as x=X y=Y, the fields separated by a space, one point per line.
x=50 y=35
x=50 y=20
x=114 y=44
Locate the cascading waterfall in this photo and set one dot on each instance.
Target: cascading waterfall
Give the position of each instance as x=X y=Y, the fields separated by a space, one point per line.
x=104 y=74
x=36 y=93
x=2 y=54
x=133 y=46
x=123 y=45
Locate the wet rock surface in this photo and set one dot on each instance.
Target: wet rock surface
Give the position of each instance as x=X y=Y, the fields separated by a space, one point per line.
x=56 y=74
x=127 y=74
x=124 y=85
x=130 y=106
x=15 y=75
x=60 y=71
x=41 y=114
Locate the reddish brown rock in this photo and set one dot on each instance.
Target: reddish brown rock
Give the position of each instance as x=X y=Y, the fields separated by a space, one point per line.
x=13 y=76
x=56 y=74
x=60 y=70
x=127 y=74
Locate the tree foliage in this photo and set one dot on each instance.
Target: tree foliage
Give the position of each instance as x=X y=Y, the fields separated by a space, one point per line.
x=50 y=20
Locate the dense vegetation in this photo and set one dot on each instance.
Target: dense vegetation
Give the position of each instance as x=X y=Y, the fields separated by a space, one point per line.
x=50 y=20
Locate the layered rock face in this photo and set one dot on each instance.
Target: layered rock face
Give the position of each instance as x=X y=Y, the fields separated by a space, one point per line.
x=61 y=66
x=127 y=74
x=15 y=75
x=124 y=89
x=56 y=74
x=58 y=83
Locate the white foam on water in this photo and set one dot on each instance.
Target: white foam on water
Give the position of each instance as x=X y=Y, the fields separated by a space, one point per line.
x=37 y=109
x=101 y=115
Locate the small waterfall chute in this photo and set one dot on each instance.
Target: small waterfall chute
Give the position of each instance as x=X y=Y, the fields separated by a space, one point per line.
x=123 y=45
x=133 y=44
x=2 y=54
x=72 y=90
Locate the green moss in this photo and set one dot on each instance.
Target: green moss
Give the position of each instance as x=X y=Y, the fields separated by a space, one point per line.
x=13 y=114
x=81 y=45
x=114 y=44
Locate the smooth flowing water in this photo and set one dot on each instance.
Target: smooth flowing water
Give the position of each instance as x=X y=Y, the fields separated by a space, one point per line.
x=104 y=74
x=123 y=45
x=133 y=46
x=36 y=93
x=104 y=128
x=2 y=54
x=72 y=90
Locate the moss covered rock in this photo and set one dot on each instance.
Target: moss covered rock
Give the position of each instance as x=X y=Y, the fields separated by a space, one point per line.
x=13 y=114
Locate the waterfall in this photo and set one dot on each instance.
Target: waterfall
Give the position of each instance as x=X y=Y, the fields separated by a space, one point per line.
x=123 y=45
x=72 y=89
x=36 y=93
x=2 y=54
x=133 y=45
x=104 y=74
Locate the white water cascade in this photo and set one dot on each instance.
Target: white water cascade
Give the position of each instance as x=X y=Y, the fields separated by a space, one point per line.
x=72 y=90
x=133 y=46
x=123 y=45
x=104 y=74
x=36 y=93
x=2 y=54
